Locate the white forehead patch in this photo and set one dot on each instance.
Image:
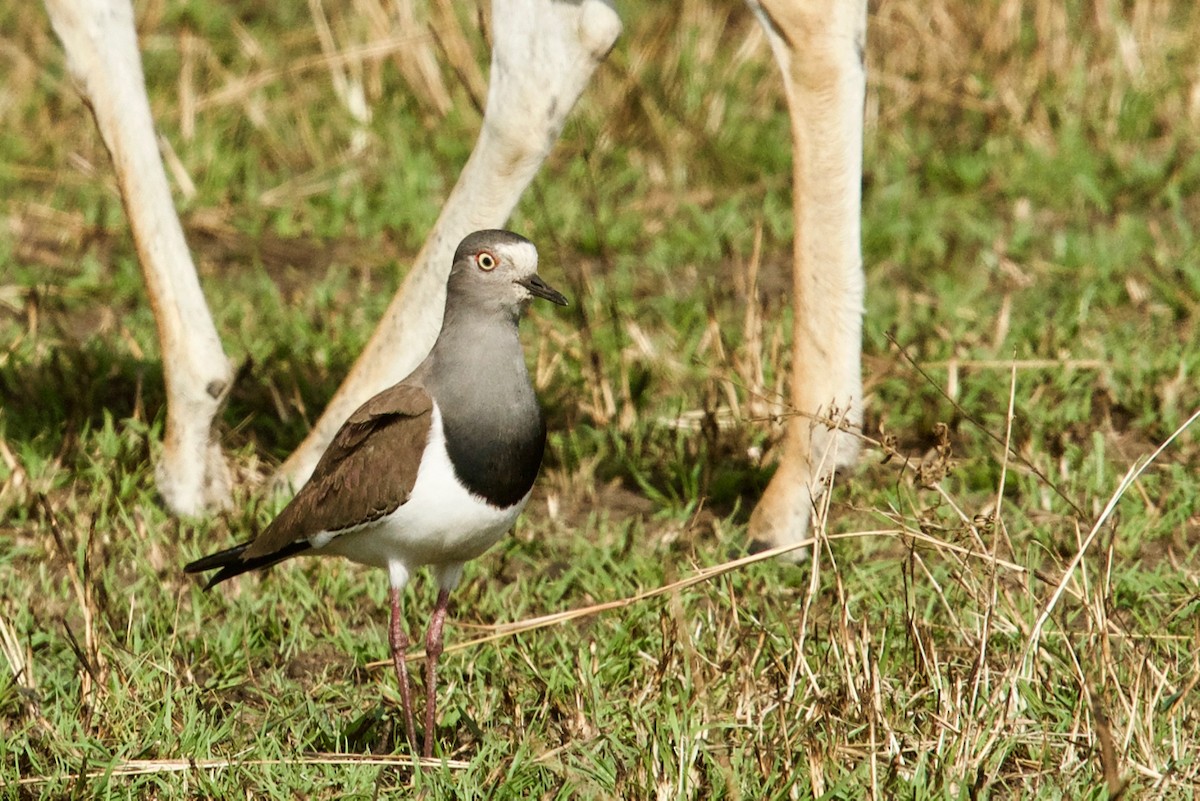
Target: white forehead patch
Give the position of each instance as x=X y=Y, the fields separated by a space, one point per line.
x=523 y=255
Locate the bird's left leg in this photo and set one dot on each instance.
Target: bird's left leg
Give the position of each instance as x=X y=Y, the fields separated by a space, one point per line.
x=399 y=642
x=433 y=652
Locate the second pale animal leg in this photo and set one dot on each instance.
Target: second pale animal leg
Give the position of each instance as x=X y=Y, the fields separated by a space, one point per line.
x=544 y=53
x=819 y=48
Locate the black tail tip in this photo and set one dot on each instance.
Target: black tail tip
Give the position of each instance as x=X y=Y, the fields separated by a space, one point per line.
x=233 y=562
x=227 y=563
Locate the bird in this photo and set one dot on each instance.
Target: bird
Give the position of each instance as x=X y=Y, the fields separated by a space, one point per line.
x=433 y=470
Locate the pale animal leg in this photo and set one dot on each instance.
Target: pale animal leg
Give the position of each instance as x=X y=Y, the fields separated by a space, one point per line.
x=544 y=53
x=819 y=48
x=102 y=54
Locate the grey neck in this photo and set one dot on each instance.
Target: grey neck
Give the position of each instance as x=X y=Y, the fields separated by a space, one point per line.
x=494 y=430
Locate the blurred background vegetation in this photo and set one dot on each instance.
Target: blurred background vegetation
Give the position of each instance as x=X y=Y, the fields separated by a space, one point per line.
x=1030 y=198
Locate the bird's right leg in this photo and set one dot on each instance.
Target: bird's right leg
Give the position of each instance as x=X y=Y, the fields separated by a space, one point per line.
x=544 y=53
x=433 y=652
x=399 y=642
x=101 y=46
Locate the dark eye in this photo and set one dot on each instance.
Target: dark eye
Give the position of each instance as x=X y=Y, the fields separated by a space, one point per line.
x=486 y=261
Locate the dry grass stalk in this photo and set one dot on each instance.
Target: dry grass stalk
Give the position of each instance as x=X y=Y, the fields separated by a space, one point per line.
x=346 y=75
x=748 y=361
x=447 y=30
x=145 y=767
x=418 y=64
x=20 y=660
x=907 y=535
x=93 y=664
x=1135 y=470
x=188 y=50
x=237 y=88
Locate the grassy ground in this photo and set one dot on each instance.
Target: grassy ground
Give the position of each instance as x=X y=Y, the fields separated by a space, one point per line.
x=1030 y=239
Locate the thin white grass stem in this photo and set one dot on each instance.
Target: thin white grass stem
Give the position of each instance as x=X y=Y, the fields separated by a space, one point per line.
x=144 y=767
x=503 y=630
x=1135 y=470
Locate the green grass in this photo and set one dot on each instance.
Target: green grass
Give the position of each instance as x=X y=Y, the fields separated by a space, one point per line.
x=1030 y=195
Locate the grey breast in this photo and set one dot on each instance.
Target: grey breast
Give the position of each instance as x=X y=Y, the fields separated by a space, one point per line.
x=494 y=431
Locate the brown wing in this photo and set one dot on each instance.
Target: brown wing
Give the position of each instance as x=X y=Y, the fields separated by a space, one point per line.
x=367 y=472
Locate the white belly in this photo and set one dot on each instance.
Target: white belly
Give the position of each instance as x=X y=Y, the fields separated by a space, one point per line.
x=442 y=523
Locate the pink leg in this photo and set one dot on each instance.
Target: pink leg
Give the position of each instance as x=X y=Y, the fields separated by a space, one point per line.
x=399 y=642
x=433 y=652
x=818 y=45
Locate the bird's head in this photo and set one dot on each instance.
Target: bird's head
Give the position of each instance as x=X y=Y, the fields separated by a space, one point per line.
x=498 y=270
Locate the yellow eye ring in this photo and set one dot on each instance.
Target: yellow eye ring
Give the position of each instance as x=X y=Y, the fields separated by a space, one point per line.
x=486 y=261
